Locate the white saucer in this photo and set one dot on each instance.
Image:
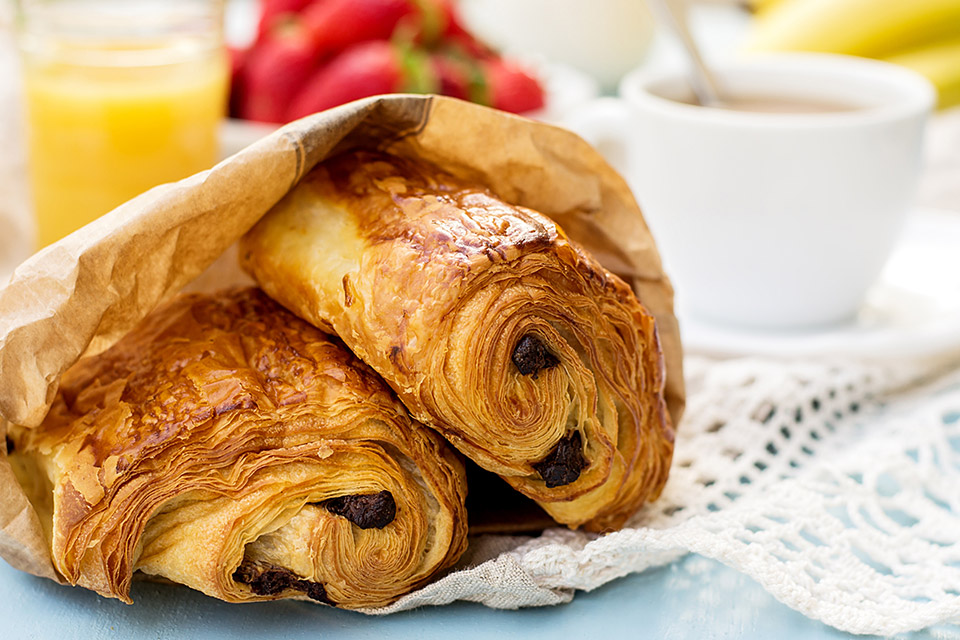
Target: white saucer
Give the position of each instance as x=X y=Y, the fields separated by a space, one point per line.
x=912 y=311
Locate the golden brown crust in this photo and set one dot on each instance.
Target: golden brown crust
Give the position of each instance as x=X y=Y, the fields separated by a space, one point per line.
x=204 y=445
x=489 y=323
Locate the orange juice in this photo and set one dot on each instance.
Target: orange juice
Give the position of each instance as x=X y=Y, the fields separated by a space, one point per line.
x=109 y=120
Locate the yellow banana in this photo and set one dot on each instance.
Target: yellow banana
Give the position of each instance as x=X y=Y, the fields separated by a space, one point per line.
x=762 y=6
x=940 y=63
x=873 y=28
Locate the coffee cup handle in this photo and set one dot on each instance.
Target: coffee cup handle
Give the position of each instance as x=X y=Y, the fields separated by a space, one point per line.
x=605 y=124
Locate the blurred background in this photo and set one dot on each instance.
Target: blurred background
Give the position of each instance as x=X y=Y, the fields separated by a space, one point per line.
x=96 y=110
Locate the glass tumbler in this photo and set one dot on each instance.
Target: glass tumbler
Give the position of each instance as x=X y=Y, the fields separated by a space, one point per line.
x=121 y=95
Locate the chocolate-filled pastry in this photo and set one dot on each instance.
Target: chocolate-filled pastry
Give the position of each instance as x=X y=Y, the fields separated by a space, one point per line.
x=229 y=446
x=490 y=324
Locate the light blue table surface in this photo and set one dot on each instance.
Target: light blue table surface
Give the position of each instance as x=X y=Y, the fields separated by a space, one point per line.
x=693 y=598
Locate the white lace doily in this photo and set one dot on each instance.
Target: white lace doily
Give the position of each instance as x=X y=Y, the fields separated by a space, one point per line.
x=836 y=487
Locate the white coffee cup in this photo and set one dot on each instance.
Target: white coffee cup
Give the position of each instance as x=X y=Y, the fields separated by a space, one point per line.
x=771 y=220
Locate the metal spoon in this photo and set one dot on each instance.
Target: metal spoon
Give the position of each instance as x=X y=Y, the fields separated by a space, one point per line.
x=669 y=13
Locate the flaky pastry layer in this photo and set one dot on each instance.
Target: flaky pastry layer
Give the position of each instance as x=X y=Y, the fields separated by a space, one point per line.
x=490 y=324
x=227 y=445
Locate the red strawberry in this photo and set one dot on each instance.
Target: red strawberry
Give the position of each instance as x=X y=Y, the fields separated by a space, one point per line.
x=454 y=25
x=470 y=46
x=427 y=27
x=238 y=61
x=336 y=24
x=510 y=88
x=453 y=76
x=366 y=69
x=455 y=34
x=276 y=69
x=273 y=12
x=459 y=75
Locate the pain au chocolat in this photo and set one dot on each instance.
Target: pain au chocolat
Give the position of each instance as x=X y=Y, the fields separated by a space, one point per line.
x=229 y=446
x=492 y=326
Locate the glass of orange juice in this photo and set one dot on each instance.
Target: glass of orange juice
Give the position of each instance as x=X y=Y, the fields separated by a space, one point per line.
x=121 y=95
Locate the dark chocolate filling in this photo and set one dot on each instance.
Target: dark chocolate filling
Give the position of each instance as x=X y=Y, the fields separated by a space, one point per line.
x=266 y=580
x=564 y=464
x=374 y=510
x=531 y=357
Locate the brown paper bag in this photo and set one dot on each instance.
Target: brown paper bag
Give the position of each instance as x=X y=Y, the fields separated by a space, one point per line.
x=81 y=294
